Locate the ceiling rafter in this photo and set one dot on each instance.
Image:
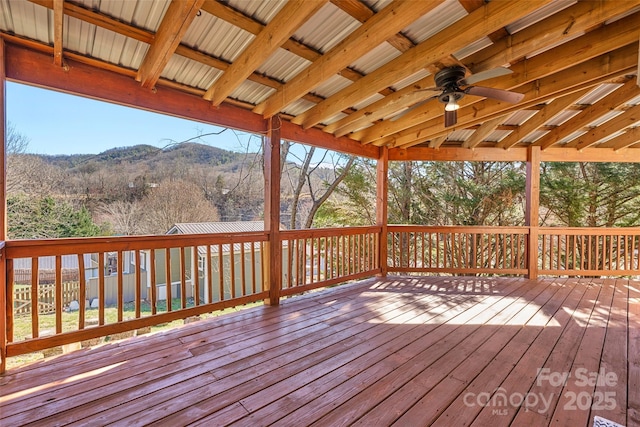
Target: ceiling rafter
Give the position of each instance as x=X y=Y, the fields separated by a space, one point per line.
x=566 y=24
x=628 y=139
x=578 y=50
x=543 y=115
x=583 y=75
x=273 y=35
x=485 y=129
x=58 y=32
x=381 y=26
x=474 y=26
x=538 y=35
x=360 y=11
x=610 y=102
x=174 y=25
x=629 y=118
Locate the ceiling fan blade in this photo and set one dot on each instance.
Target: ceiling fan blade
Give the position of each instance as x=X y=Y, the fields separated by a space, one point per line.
x=485 y=75
x=499 y=94
x=450 y=118
x=413 y=107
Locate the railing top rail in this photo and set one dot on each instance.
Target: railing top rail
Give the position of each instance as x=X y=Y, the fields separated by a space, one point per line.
x=595 y=231
x=458 y=228
x=328 y=232
x=46 y=247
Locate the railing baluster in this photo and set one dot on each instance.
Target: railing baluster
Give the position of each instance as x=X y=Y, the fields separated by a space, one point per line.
x=58 y=296
x=208 y=264
x=154 y=284
x=82 y=293
x=137 y=293
x=195 y=274
x=120 y=298
x=101 y=274
x=183 y=278
x=168 y=281
x=221 y=276
x=35 y=282
x=243 y=270
x=253 y=268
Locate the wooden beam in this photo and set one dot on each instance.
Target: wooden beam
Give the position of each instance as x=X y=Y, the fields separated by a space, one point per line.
x=58 y=31
x=238 y=19
x=469 y=29
x=394 y=17
x=382 y=198
x=579 y=77
x=567 y=23
x=610 y=102
x=543 y=115
x=174 y=25
x=482 y=132
x=564 y=25
x=362 y=13
x=629 y=118
x=629 y=138
x=596 y=43
x=516 y=154
x=532 y=209
x=274 y=34
x=34 y=68
x=273 y=279
x=3 y=211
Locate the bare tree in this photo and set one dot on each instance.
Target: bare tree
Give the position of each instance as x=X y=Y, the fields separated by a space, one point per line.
x=124 y=217
x=175 y=202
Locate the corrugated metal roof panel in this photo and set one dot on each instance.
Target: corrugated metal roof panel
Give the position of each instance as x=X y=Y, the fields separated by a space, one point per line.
x=189 y=72
x=332 y=85
x=572 y=136
x=598 y=93
x=605 y=118
x=283 y=65
x=367 y=101
x=251 y=92
x=216 y=227
x=460 y=135
x=540 y=14
x=27 y=19
x=376 y=5
x=562 y=117
x=411 y=79
x=298 y=107
x=322 y=37
x=518 y=118
x=473 y=48
x=262 y=11
x=534 y=136
x=217 y=37
x=435 y=21
x=375 y=58
x=497 y=135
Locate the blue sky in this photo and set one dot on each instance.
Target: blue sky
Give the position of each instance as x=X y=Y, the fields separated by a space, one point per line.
x=57 y=123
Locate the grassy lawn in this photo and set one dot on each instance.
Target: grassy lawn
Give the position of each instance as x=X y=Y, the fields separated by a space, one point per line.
x=70 y=321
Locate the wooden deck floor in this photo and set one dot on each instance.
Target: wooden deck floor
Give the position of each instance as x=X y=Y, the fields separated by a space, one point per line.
x=401 y=351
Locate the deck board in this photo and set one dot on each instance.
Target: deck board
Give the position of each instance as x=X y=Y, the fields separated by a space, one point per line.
x=403 y=350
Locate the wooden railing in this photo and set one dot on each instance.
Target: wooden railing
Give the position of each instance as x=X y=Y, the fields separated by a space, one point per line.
x=457 y=250
x=156 y=279
x=322 y=257
x=166 y=277
x=589 y=251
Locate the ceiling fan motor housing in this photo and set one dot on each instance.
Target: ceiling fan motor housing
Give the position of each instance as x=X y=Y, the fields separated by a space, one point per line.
x=448 y=79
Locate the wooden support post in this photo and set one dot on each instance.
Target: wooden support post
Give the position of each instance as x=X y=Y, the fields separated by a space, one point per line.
x=532 y=209
x=273 y=258
x=382 y=195
x=4 y=286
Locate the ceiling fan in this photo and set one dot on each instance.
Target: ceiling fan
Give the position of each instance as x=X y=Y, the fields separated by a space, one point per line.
x=449 y=81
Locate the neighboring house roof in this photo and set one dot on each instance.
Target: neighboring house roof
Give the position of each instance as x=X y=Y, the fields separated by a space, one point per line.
x=216 y=227
x=69 y=262
x=220 y=228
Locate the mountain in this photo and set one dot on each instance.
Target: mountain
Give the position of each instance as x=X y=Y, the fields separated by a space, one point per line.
x=147 y=155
